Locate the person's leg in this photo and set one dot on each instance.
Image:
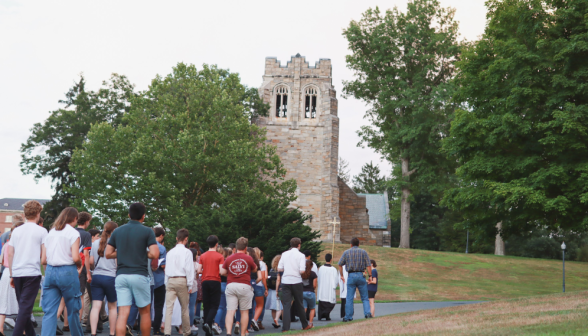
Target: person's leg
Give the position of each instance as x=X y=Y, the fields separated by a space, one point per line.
x=87 y=303
x=287 y=303
x=121 y=321
x=133 y=314
x=145 y=316
x=373 y=307
x=83 y=279
x=184 y=298
x=351 y=286
x=244 y=321
x=61 y=312
x=69 y=284
x=170 y=300
x=112 y=317
x=206 y=297
x=192 y=306
x=26 y=289
x=50 y=300
x=221 y=312
x=343 y=304
x=158 y=302
x=263 y=310
x=259 y=307
x=363 y=292
x=95 y=315
x=215 y=297
x=124 y=300
x=297 y=294
x=229 y=321
x=232 y=305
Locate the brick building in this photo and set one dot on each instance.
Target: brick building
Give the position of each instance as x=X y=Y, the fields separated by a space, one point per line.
x=304 y=126
x=10 y=207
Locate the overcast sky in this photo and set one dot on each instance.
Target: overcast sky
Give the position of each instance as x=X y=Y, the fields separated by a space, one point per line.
x=45 y=45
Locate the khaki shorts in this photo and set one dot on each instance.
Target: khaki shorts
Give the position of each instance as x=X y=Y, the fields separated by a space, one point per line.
x=239 y=296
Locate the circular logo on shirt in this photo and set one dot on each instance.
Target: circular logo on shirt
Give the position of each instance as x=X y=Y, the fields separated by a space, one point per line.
x=238 y=267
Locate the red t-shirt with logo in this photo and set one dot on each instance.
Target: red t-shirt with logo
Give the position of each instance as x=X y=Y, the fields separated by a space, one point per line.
x=210 y=261
x=239 y=267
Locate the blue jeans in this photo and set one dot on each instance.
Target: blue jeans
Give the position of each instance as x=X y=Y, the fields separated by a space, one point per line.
x=193 y=297
x=61 y=281
x=356 y=280
x=221 y=313
x=309 y=300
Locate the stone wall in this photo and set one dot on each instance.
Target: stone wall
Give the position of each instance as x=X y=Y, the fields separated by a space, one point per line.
x=355 y=218
x=308 y=148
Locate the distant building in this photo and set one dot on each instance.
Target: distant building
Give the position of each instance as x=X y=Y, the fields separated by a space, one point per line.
x=303 y=125
x=10 y=207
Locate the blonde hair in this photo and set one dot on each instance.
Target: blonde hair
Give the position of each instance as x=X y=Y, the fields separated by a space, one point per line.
x=32 y=208
x=276 y=261
x=17 y=221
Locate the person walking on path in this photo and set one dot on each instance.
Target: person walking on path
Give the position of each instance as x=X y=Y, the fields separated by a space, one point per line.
x=8 y=301
x=328 y=279
x=132 y=245
x=309 y=283
x=179 y=272
x=158 y=267
x=239 y=294
x=209 y=266
x=61 y=254
x=24 y=258
x=373 y=288
x=356 y=260
x=293 y=264
x=85 y=277
x=273 y=300
x=103 y=281
x=221 y=313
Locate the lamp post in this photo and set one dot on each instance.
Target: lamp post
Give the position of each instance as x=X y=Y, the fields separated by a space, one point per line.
x=563 y=250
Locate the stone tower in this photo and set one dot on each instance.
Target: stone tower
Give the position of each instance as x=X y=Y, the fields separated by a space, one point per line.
x=304 y=126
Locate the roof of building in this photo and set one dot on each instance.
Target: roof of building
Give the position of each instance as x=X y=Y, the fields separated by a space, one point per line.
x=16 y=204
x=378 y=210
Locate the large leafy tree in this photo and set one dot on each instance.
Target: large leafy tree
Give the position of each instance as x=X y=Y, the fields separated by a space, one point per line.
x=188 y=151
x=48 y=150
x=403 y=63
x=369 y=180
x=522 y=135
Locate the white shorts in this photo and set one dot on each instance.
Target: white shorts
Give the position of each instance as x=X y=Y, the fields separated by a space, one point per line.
x=239 y=296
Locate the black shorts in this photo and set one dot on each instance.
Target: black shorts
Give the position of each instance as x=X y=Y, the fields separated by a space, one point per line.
x=372 y=294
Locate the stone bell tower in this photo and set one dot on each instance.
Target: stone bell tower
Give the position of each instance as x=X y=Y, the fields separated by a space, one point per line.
x=304 y=126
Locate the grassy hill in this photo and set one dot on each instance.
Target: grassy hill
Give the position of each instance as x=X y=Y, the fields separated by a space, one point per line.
x=419 y=275
x=555 y=314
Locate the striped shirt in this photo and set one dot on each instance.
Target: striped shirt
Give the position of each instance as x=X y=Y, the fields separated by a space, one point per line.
x=355 y=260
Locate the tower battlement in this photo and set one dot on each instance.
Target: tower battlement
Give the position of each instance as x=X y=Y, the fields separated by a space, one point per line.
x=298 y=66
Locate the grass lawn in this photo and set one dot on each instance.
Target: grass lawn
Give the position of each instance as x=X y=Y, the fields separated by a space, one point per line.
x=555 y=314
x=419 y=275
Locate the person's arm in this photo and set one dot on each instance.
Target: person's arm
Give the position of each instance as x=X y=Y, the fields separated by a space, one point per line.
x=264 y=280
x=190 y=275
x=315 y=283
x=154 y=252
x=110 y=252
x=258 y=280
x=43 y=255
x=281 y=264
x=10 y=250
x=199 y=268
x=302 y=265
x=223 y=271
x=87 y=264
x=278 y=284
x=75 y=247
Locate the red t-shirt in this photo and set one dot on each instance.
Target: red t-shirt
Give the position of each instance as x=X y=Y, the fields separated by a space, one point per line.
x=239 y=267
x=210 y=261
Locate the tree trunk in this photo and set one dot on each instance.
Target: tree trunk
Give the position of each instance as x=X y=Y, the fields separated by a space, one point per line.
x=499 y=244
x=405 y=208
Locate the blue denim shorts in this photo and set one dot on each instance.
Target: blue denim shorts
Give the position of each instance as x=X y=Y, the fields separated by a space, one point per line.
x=258 y=291
x=309 y=300
x=103 y=286
x=129 y=286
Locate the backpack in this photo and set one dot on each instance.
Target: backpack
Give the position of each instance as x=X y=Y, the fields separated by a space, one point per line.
x=272 y=279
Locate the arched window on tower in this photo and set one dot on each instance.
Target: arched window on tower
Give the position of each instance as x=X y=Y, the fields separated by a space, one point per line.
x=310 y=97
x=281 y=101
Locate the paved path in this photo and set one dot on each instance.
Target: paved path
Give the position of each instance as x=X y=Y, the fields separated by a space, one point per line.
x=381 y=310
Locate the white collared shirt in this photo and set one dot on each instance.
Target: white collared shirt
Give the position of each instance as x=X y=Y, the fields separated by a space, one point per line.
x=179 y=263
x=292 y=262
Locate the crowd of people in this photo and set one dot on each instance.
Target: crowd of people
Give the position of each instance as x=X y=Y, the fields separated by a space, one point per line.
x=125 y=275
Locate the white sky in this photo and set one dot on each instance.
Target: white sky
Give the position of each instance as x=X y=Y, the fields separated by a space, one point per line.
x=45 y=45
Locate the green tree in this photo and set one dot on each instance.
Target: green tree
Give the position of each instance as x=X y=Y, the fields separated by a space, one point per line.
x=49 y=148
x=522 y=135
x=369 y=180
x=403 y=64
x=188 y=151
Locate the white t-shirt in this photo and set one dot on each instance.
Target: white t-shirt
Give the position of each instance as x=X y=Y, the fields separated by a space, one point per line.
x=26 y=241
x=292 y=262
x=58 y=246
x=103 y=266
x=262 y=267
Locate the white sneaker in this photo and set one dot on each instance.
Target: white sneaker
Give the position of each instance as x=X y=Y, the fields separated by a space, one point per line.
x=194 y=328
x=216 y=329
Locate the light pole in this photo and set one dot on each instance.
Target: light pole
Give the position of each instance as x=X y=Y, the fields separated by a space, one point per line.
x=467 y=241
x=563 y=250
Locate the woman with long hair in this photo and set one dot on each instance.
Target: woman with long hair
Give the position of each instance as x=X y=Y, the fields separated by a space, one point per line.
x=61 y=255
x=273 y=302
x=103 y=280
x=309 y=282
x=260 y=290
x=8 y=301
